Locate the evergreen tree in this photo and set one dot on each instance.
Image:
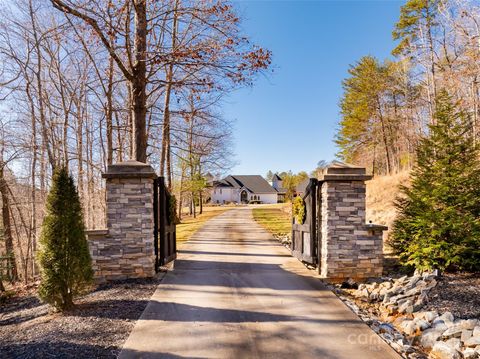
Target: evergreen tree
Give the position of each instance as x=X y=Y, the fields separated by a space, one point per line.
x=439 y=213
x=66 y=268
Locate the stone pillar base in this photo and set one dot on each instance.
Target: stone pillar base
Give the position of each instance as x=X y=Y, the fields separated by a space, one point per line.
x=349 y=248
x=126 y=249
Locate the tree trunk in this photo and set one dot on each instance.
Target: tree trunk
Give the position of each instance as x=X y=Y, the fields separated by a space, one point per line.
x=109 y=113
x=7 y=228
x=165 y=158
x=139 y=148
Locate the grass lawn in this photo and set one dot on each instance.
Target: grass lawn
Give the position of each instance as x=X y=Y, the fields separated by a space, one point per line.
x=274 y=218
x=190 y=225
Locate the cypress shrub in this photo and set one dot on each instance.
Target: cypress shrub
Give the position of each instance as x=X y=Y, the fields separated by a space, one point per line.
x=66 y=268
x=438 y=226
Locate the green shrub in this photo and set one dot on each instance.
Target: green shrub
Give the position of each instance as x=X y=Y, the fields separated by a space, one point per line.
x=298 y=209
x=438 y=225
x=66 y=269
x=172 y=210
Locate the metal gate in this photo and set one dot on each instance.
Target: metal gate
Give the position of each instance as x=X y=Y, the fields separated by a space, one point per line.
x=164 y=224
x=304 y=235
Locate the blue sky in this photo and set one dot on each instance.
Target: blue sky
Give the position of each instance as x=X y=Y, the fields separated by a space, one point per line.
x=287 y=121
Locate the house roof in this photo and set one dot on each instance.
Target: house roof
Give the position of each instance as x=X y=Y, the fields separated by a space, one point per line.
x=276 y=177
x=253 y=183
x=302 y=186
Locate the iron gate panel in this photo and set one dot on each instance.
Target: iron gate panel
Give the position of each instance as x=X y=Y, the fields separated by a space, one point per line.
x=165 y=238
x=304 y=235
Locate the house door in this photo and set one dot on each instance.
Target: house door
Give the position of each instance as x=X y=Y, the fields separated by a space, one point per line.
x=244 y=197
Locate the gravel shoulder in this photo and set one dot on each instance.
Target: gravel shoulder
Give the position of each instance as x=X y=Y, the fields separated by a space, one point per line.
x=96 y=328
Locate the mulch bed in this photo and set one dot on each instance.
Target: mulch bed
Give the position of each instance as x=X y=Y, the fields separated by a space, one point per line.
x=457 y=293
x=96 y=328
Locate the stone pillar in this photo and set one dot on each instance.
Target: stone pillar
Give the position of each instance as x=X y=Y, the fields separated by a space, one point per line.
x=126 y=249
x=349 y=248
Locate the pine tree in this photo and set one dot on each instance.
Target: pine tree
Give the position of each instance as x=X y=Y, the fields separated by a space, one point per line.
x=66 y=269
x=439 y=213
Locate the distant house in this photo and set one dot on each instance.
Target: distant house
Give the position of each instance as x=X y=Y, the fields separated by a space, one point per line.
x=244 y=189
x=277 y=183
x=301 y=187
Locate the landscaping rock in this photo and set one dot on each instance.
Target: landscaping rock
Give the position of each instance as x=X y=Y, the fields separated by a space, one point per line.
x=466 y=334
x=453 y=332
x=446 y=318
x=421 y=324
x=386 y=328
x=455 y=343
x=468 y=324
x=469 y=353
x=472 y=342
x=442 y=350
x=430 y=316
x=406 y=307
x=429 y=337
x=408 y=327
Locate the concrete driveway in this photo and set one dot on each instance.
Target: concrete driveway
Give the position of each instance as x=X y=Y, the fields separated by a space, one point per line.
x=236 y=293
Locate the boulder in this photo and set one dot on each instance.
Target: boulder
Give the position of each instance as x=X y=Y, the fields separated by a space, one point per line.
x=453 y=332
x=466 y=334
x=472 y=342
x=386 y=328
x=406 y=307
x=440 y=326
x=468 y=324
x=429 y=337
x=446 y=318
x=421 y=324
x=442 y=350
x=431 y=316
x=469 y=353
x=409 y=327
x=387 y=285
x=476 y=331
x=455 y=343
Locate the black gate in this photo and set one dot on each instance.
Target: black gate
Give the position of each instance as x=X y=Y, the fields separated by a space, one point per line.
x=304 y=235
x=164 y=224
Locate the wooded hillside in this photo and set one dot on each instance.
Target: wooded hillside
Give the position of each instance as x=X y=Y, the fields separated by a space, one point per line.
x=87 y=83
x=388 y=104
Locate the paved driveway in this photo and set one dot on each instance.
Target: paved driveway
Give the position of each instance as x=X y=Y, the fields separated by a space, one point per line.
x=236 y=293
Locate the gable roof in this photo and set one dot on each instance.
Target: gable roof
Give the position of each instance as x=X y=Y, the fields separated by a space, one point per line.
x=253 y=183
x=302 y=186
x=276 y=177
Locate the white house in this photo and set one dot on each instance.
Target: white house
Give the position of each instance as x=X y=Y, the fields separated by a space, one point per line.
x=277 y=183
x=244 y=189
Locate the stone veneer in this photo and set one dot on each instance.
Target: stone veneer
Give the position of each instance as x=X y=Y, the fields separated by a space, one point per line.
x=349 y=248
x=125 y=249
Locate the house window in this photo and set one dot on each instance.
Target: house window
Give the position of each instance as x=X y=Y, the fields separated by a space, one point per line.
x=220 y=191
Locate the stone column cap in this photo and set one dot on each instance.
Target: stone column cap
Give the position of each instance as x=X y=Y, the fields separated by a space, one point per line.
x=130 y=169
x=339 y=171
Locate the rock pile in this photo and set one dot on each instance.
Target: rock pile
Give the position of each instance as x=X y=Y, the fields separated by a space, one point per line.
x=403 y=295
x=400 y=302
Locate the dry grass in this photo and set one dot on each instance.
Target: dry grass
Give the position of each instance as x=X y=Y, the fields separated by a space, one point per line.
x=275 y=218
x=190 y=225
x=381 y=193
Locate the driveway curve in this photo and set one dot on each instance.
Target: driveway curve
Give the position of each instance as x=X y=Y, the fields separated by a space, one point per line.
x=237 y=293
